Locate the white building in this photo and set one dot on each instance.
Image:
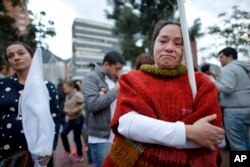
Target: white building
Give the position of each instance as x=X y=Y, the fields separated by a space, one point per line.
x=54 y=68
x=91 y=41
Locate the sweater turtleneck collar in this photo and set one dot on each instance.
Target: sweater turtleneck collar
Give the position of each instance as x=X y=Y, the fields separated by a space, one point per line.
x=164 y=73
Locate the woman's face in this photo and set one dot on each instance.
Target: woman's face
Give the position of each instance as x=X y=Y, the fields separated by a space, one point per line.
x=67 y=89
x=168 y=47
x=18 y=57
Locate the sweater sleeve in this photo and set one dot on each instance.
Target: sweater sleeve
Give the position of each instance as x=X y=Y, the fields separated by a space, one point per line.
x=154 y=131
x=206 y=102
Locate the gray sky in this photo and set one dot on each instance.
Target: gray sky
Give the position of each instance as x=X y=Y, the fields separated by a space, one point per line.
x=208 y=11
x=63 y=12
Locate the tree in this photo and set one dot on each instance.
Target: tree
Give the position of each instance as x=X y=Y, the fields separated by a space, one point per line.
x=231 y=28
x=129 y=36
x=195 y=32
x=134 y=22
x=36 y=30
x=7 y=33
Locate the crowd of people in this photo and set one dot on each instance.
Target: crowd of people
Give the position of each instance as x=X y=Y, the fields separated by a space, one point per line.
x=145 y=117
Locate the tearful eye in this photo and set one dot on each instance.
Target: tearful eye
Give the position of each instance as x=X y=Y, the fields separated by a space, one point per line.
x=9 y=56
x=178 y=43
x=21 y=53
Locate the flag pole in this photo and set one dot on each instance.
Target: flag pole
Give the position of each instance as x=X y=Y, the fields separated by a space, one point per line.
x=187 y=47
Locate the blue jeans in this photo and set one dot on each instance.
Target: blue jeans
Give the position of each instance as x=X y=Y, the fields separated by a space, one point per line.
x=237 y=126
x=99 y=152
x=75 y=125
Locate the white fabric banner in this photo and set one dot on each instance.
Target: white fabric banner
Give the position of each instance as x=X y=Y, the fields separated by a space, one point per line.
x=38 y=125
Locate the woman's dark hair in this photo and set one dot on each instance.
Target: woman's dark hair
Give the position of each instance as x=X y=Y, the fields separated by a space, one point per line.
x=69 y=83
x=77 y=85
x=73 y=84
x=27 y=47
x=143 y=58
x=158 y=26
x=205 y=68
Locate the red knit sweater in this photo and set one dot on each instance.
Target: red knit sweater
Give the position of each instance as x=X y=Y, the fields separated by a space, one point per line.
x=168 y=99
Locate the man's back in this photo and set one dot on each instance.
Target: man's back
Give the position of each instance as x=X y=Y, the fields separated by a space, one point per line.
x=234 y=85
x=234 y=88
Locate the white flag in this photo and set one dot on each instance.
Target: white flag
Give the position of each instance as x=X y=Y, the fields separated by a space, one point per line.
x=38 y=125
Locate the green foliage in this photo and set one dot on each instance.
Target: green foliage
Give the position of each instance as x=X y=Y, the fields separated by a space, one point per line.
x=39 y=31
x=7 y=33
x=36 y=30
x=232 y=27
x=1 y=6
x=195 y=30
x=135 y=20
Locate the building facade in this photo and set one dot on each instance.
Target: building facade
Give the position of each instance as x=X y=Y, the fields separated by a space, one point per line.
x=91 y=41
x=19 y=13
x=54 y=68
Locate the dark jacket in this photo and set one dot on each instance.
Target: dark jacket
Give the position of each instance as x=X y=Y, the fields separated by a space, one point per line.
x=12 y=138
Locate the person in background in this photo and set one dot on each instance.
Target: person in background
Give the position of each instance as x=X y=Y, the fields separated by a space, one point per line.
x=91 y=66
x=19 y=57
x=157 y=122
x=2 y=68
x=1 y=74
x=234 y=88
x=78 y=85
x=210 y=72
x=100 y=94
x=143 y=58
x=73 y=107
x=6 y=70
x=61 y=100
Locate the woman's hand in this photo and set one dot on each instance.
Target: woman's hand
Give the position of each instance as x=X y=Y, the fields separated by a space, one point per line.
x=69 y=112
x=204 y=133
x=43 y=161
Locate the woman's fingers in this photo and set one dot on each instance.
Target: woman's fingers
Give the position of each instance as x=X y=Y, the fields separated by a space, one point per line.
x=44 y=160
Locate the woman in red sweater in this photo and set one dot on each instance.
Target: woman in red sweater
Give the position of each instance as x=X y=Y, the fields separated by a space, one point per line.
x=157 y=122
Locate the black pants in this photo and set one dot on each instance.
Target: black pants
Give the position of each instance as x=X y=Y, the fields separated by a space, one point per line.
x=75 y=125
x=51 y=161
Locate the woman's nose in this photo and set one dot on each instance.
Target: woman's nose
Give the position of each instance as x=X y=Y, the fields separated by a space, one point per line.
x=169 y=46
x=16 y=57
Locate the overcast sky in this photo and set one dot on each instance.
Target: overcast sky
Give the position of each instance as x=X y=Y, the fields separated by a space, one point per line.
x=63 y=12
